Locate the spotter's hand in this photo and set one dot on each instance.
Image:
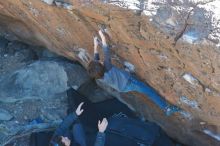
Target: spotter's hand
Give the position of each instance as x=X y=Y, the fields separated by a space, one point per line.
x=79 y=109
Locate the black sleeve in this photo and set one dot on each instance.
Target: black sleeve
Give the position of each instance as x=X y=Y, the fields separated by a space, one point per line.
x=65 y=125
x=100 y=139
x=107 y=57
x=96 y=57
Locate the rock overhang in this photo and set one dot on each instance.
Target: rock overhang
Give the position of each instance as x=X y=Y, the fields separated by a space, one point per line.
x=139 y=42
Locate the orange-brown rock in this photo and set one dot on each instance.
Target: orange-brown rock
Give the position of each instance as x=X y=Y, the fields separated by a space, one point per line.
x=136 y=40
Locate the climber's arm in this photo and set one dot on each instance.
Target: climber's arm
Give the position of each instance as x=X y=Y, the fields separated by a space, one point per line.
x=106 y=51
x=96 y=51
x=100 y=138
x=107 y=57
x=69 y=120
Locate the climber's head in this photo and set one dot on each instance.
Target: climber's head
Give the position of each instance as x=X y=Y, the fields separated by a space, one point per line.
x=95 y=69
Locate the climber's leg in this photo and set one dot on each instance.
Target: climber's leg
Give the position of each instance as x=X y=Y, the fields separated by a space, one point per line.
x=138 y=86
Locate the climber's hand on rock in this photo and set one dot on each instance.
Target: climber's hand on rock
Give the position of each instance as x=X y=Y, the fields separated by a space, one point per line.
x=96 y=42
x=102 y=35
x=79 y=109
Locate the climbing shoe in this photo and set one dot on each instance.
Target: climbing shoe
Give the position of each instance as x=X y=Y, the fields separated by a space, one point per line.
x=172 y=109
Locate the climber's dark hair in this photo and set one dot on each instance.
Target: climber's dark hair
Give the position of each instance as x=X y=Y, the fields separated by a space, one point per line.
x=95 y=69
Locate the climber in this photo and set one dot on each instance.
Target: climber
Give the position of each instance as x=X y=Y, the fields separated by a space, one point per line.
x=121 y=80
x=71 y=133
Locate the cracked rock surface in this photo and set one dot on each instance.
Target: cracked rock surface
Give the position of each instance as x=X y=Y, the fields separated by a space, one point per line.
x=175 y=50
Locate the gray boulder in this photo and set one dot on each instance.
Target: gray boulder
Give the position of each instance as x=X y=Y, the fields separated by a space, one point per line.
x=41 y=79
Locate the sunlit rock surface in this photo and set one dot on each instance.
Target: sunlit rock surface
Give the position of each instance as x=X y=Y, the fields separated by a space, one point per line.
x=171 y=45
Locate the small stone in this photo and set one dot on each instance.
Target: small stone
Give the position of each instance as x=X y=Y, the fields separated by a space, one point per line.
x=202 y=123
x=190 y=78
x=49 y=2
x=5 y=115
x=208 y=90
x=25 y=117
x=68 y=6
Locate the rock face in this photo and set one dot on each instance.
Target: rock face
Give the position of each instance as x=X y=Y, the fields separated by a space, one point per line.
x=178 y=57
